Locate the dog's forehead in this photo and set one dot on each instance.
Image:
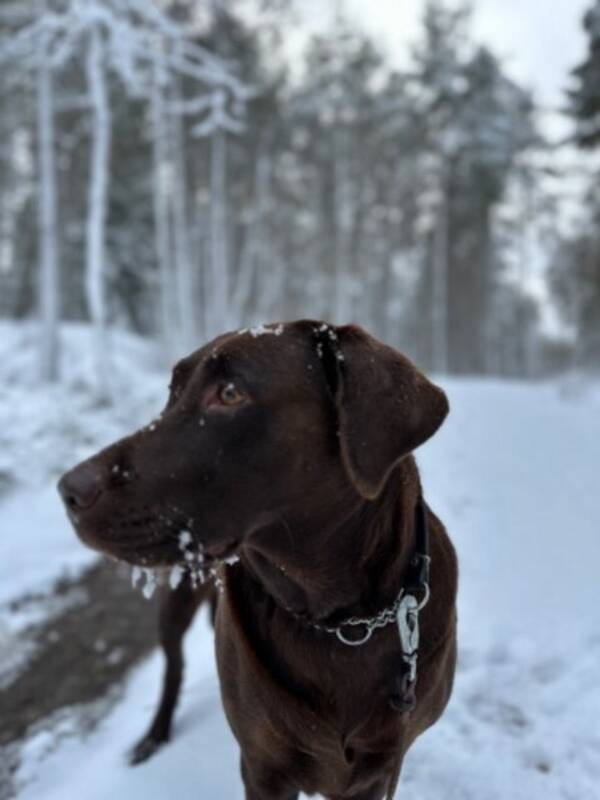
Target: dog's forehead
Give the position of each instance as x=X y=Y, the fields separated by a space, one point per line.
x=277 y=340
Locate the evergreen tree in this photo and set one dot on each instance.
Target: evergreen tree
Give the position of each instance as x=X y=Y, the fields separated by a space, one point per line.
x=346 y=191
x=575 y=283
x=585 y=96
x=575 y=270
x=475 y=123
x=332 y=125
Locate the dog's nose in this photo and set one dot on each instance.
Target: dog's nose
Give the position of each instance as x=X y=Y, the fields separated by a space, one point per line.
x=82 y=486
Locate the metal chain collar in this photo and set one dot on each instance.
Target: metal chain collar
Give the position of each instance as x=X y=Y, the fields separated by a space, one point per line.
x=385 y=617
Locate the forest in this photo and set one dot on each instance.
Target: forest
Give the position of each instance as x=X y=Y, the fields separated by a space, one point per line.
x=171 y=169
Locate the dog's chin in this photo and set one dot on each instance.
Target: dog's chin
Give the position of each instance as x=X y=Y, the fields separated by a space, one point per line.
x=145 y=542
x=153 y=555
x=152 y=552
x=159 y=551
x=142 y=558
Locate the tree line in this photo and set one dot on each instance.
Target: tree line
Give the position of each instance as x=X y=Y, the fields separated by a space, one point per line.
x=164 y=167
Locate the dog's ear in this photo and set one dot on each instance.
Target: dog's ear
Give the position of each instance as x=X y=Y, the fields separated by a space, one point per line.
x=385 y=406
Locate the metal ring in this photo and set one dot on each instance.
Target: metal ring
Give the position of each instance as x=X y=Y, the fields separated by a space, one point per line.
x=354 y=642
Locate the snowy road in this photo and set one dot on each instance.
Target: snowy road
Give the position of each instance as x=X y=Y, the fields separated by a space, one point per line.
x=514 y=476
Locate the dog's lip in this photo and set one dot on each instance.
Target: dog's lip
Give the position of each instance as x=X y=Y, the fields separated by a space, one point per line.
x=155 y=556
x=162 y=552
x=167 y=555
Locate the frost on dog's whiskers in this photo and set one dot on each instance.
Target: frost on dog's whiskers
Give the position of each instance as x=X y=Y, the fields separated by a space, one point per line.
x=192 y=565
x=136 y=574
x=150 y=582
x=150 y=585
x=175 y=576
x=185 y=539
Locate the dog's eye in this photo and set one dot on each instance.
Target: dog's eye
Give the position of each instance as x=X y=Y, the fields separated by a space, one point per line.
x=230 y=395
x=223 y=395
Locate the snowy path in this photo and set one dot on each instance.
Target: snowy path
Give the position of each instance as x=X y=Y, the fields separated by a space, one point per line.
x=514 y=476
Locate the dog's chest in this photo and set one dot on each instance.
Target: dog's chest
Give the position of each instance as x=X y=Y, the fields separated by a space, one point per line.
x=326 y=719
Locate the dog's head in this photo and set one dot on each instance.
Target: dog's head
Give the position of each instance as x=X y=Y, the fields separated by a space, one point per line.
x=260 y=425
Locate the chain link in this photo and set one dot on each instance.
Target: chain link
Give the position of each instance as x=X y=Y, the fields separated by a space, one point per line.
x=378 y=621
x=385 y=617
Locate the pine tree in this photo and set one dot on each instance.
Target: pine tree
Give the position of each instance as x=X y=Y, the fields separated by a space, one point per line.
x=575 y=283
x=331 y=141
x=575 y=271
x=585 y=96
x=475 y=124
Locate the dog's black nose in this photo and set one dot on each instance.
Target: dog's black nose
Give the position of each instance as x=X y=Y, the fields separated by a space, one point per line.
x=82 y=486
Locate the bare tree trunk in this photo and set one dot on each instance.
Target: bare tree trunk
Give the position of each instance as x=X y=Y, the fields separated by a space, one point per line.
x=219 y=296
x=98 y=198
x=166 y=304
x=439 y=311
x=48 y=281
x=256 y=256
x=205 y=261
x=343 y=225
x=484 y=353
x=527 y=258
x=246 y=272
x=185 y=293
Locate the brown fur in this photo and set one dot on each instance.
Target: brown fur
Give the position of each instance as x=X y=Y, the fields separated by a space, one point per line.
x=309 y=478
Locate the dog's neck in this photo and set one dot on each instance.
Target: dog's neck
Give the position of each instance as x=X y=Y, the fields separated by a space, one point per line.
x=328 y=571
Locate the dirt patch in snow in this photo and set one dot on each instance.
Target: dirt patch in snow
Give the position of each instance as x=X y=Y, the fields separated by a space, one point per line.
x=76 y=656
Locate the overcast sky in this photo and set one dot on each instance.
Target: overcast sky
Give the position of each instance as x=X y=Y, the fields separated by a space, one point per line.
x=539 y=41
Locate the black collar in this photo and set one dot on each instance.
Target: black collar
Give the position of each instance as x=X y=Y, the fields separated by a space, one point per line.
x=417 y=576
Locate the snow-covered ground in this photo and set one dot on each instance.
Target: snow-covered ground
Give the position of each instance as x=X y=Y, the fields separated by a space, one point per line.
x=513 y=473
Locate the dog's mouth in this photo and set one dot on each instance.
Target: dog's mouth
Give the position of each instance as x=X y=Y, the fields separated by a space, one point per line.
x=158 y=553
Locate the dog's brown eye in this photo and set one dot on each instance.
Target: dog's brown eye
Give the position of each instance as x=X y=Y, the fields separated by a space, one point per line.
x=229 y=395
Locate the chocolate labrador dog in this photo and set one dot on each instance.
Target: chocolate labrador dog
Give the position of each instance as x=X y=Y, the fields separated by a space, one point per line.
x=289 y=448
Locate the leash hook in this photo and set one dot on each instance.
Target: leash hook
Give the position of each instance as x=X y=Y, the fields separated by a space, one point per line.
x=408 y=629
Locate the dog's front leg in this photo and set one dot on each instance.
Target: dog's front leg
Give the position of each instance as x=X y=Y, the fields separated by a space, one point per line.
x=262 y=783
x=377 y=792
x=177 y=610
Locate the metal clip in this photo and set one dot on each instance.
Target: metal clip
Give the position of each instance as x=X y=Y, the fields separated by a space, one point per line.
x=408 y=628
